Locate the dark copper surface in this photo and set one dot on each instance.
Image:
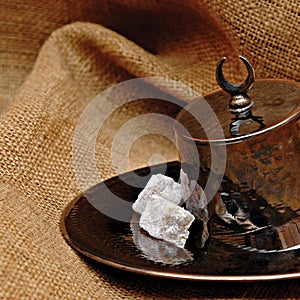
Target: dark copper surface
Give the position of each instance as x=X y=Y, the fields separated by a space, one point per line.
x=112 y=242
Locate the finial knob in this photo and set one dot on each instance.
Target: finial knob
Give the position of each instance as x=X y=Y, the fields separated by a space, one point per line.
x=240 y=103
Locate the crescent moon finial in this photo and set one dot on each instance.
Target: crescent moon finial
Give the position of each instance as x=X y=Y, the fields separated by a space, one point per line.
x=232 y=88
x=240 y=102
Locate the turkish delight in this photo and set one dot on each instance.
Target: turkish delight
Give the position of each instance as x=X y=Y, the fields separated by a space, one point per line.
x=161 y=186
x=157 y=250
x=165 y=220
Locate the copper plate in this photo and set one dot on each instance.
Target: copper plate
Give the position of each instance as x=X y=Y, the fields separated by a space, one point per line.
x=113 y=243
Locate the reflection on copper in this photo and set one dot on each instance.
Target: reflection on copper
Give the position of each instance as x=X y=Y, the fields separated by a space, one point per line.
x=156 y=250
x=276 y=238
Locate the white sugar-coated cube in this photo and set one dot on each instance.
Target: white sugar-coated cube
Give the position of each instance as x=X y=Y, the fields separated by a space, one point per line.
x=157 y=250
x=167 y=221
x=158 y=186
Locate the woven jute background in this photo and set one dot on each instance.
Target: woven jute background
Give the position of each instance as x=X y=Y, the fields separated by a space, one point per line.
x=56 y=56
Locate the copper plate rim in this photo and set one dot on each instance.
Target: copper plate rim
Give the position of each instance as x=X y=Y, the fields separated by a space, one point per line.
x=166 y=274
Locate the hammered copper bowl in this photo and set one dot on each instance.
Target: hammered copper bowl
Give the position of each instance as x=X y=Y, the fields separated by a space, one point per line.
x=264 y=161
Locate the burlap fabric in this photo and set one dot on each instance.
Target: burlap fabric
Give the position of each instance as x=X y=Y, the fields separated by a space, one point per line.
x=49 y=74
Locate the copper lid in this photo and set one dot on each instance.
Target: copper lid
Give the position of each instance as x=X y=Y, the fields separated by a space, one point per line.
x=256 y=107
